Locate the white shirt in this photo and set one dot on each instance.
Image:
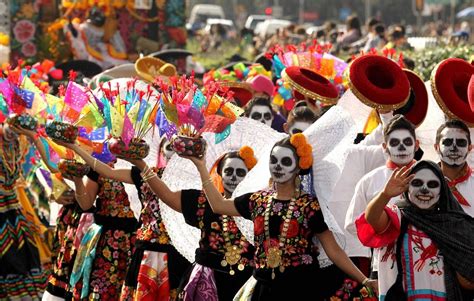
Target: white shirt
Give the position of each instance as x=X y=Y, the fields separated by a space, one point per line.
x=367 y=188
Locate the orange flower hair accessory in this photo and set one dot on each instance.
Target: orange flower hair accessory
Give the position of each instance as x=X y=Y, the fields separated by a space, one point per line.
x=247 y=154
x=303 y=150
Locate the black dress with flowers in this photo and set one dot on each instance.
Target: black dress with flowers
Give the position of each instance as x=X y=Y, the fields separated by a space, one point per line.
x=198 y=213
x=301 y=278
x=115 y=245
x=63 y=252
x=152 y=237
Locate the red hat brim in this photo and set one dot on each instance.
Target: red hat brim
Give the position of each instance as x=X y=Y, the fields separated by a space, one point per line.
x=379 y=82
x=416 y=108
x=449 y=83
x=470 y=93
x=243 y=92
x=310 y=84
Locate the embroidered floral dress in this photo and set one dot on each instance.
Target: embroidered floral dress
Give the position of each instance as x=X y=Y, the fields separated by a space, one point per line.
x=64 y=252
x=21 y=275
x=212 y=246
x=422 y=263
x=299 y=278
x=156 y=268
x=115 y=245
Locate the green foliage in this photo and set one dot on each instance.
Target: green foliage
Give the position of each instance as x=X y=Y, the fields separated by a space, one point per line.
x=427 y=59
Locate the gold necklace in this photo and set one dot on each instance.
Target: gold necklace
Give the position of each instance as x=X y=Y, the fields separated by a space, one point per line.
x=233 y=252
x=275 y=254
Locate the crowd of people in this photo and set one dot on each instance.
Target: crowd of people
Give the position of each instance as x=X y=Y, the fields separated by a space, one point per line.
x=320 y=180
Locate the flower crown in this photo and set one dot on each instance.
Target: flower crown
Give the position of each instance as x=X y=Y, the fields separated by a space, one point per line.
x=246 y=153
x=303 y=150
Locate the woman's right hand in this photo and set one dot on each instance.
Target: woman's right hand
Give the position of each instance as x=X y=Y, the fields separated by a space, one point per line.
x=398 y=182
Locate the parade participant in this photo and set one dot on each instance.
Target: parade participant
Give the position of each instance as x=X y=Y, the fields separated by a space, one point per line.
x=285 y=220
x=153 y=251
x=453 y=144
x=22 y=251
x=105 y=252
x=223 y=259
x=400 y=144
x=429 y=236
x=299 y=119
x=260 y=109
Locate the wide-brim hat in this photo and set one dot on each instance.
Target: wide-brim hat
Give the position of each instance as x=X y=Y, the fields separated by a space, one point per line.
x=416 y=107
x=149 y=68
x=378 y=82
x=243 y=92
x=449 y=84
x=120 y=71
x=310 y=84
x=470 y=93
x=168 y=55
x=87 y=68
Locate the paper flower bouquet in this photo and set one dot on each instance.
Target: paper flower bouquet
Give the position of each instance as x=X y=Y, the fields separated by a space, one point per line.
x=186 y=112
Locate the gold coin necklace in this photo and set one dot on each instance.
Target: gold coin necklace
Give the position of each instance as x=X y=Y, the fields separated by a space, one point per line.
x=275 y=253
x=233 y=252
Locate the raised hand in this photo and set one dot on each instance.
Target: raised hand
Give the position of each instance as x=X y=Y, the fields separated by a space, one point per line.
x=398 y=182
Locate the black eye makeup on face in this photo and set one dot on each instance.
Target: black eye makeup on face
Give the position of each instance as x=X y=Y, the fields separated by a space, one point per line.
x=394 y=142
x=433 y=184
x=416 y=183
x=256 y=116
x=286 y=161
x=408 y=141
x=273 y=159
x=267 y=116
x=228 y=171
x=241 y=172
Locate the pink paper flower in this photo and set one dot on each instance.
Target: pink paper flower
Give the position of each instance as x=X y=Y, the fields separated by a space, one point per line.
x=24 y=31
x=28 y=49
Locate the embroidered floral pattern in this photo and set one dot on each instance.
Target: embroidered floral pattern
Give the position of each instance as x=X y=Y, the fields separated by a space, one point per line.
x=298 y=247
x=112 y=199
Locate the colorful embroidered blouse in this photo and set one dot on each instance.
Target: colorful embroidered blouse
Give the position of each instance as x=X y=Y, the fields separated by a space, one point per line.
x=306 y=220
x=152 y=228
x=423 y=266
x=198 y=213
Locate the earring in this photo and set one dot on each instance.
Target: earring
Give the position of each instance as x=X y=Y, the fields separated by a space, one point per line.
x=297 y=186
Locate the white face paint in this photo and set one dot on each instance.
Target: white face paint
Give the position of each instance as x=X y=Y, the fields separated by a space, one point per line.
x=262 y=114
x=453 y=147
x=298 y=127
x=167 y=150
x=424 y=190
x=233 y=172
x=401 y=147
x=282 y=164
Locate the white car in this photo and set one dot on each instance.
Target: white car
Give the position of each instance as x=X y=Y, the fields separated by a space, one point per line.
x=270 y=27
x=228 y=25
x=253 y=20
x=200 y=13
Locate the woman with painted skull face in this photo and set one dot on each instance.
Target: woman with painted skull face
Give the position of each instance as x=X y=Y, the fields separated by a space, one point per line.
x=453 y=144
x=153 y=250
x=260 y=109
x=299 y=119
x=430 y=237
x=224 y=258
x=285 y=220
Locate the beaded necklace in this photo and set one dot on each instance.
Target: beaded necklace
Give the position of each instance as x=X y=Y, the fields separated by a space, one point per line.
x=274 y=253
x=233 y=252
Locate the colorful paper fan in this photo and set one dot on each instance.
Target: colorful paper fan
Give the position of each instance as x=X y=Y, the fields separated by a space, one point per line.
x=129 y=108
x=187 y=111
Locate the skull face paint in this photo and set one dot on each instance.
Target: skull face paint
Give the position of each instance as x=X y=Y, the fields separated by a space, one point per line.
x=453 y=147
x=298 y=127
x=282 y=164
x=233 y=172
x=401 y=147
x=167 y=150
x=424 y=190
x=262 y=114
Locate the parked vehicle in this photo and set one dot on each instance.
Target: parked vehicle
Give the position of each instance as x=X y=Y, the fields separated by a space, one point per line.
x=270 y=27
x=225 y=26
x=253 y=20
x=200 y=13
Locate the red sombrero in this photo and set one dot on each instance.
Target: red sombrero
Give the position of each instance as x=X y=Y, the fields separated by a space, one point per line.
x=417 y=105
x=378 y=82
x=310 y=84
x=470 y=93
x=243 y=91
x=449 y=83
